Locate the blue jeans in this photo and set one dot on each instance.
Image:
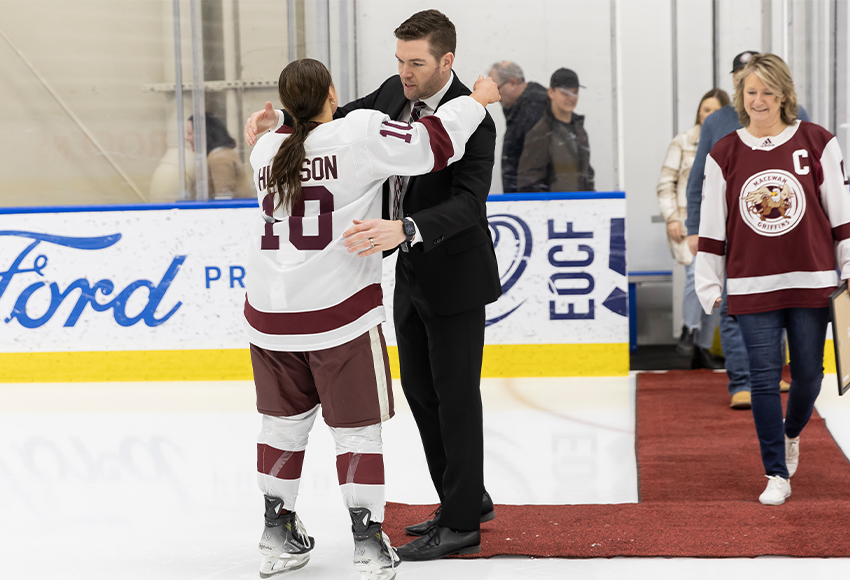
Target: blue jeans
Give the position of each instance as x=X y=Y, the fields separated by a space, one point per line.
x=693 y=316
x=734 y=351
x=762 y=334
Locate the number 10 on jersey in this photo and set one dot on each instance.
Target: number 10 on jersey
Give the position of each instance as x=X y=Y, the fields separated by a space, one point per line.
x=271 y=241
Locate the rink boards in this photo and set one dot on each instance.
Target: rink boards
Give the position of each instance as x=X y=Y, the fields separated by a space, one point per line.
x=156 y=292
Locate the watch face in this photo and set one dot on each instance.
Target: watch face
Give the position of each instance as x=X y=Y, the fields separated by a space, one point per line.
x=409 y=228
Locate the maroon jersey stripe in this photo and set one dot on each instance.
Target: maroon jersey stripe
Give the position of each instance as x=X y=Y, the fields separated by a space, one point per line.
x=441 y=144
x=841 y=232
x=285 y=130
x=712 y=246
x=779 y=299
x=316 y=321
x=362 y=468
x=279 y=464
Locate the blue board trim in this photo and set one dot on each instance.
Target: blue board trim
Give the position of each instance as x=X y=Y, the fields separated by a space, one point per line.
x=252 y=202
x=638 y=273
x=548 y=196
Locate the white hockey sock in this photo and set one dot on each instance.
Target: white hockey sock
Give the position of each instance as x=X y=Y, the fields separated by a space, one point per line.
x=280 y=454
x=360 y=468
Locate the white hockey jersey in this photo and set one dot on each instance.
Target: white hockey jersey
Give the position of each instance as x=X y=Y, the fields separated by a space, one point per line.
x=775 y=221
x=305 y=291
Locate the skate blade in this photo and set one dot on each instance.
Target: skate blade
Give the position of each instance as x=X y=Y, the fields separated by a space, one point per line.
x=383 y=574
x=368 y=571
x=276 y=566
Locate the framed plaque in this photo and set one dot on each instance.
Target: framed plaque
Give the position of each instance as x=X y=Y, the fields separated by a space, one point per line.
x=840 y=305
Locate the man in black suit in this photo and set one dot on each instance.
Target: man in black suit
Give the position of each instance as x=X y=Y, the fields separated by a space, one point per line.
x=445 y=274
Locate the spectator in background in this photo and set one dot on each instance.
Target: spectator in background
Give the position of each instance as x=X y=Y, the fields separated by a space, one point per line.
x=523 y=104
x=715 y=127
x=776 y=223
x=165 y=181
x=698 y=327
x=227 y=175
x=556 y=153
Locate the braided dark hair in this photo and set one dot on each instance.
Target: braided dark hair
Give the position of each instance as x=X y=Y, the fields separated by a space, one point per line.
x=303 y=88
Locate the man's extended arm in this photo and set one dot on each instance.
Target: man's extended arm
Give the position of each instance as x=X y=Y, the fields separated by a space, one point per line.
x=466 y=204
x=367 y=102
x=269 y=118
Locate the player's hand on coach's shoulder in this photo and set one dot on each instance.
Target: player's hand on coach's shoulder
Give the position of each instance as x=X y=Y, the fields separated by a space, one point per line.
x=485 y=91
x=260 y=122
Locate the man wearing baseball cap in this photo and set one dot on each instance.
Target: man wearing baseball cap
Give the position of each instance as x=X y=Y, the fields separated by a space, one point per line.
x=714 y=128
x=741 y=60
x=556 y=154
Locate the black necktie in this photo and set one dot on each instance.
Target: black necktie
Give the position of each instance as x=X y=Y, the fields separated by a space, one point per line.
x=415 y=113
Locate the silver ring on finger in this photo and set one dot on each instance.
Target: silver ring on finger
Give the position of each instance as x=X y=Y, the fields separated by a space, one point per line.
x=371 y=243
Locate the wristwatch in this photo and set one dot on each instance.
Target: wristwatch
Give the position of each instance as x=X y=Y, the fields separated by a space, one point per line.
x=409 y=229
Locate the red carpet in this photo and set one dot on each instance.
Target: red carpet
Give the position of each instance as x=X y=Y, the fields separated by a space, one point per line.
x=700 y=476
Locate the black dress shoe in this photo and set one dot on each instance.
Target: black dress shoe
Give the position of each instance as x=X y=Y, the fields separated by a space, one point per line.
x=440 y=542
x=488 y=513
x=423 y=528
x=702 y=359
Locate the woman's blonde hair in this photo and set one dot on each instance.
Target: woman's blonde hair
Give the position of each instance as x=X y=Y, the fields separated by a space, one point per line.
x=773 y=71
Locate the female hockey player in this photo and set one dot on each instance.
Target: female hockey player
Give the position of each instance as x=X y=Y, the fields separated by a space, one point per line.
x=313 y=309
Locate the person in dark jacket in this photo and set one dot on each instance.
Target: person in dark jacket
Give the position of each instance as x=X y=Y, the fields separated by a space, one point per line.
x=523 y=104
x=556 y=153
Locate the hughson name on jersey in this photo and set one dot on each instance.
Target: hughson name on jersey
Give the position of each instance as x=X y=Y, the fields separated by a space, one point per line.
x=320 y=168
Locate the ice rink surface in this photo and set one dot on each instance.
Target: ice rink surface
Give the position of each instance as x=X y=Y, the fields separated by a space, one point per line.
x=144 y=481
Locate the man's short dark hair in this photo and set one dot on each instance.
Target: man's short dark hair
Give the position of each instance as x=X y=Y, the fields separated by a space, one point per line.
x=433 y=26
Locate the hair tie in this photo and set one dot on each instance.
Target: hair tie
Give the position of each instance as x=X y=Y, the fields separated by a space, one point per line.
x=309 y=124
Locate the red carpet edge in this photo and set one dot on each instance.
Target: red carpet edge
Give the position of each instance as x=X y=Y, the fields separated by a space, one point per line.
x=700 y=475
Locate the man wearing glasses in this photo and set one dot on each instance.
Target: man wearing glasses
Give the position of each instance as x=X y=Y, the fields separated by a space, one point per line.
x=523 y=103
x=556 y=154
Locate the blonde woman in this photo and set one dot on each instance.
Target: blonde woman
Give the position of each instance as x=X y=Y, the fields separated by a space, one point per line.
x=775 y=223
x=698 y=327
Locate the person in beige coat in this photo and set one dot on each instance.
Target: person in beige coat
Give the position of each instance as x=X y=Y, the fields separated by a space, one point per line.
x=227 y=176
x=698 y=328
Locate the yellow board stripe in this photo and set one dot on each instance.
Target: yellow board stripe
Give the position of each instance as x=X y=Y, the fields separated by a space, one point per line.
x=555 y=360
x=125 y=366
x=518 y=360
x=829 y=357
x=500 y=360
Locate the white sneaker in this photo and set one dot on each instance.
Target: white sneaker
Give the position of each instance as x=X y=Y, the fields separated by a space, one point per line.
x=778 y=488
x=792 y=454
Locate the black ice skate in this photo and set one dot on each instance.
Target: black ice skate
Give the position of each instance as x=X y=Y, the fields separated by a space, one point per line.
x=374 y=556
x=284 y=544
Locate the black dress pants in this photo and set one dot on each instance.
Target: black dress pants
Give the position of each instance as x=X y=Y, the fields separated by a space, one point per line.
x=440 y=359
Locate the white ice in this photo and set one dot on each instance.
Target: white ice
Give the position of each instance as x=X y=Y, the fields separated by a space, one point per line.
x=143 y=481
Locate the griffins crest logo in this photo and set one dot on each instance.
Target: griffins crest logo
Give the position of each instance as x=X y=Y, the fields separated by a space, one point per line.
x=772 y=202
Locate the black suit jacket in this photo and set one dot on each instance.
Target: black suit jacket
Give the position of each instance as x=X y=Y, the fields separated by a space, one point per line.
x=455 y=264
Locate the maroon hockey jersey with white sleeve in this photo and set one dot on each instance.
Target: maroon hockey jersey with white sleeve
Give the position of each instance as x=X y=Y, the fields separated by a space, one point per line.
x=305 y=291
x=775 y=221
